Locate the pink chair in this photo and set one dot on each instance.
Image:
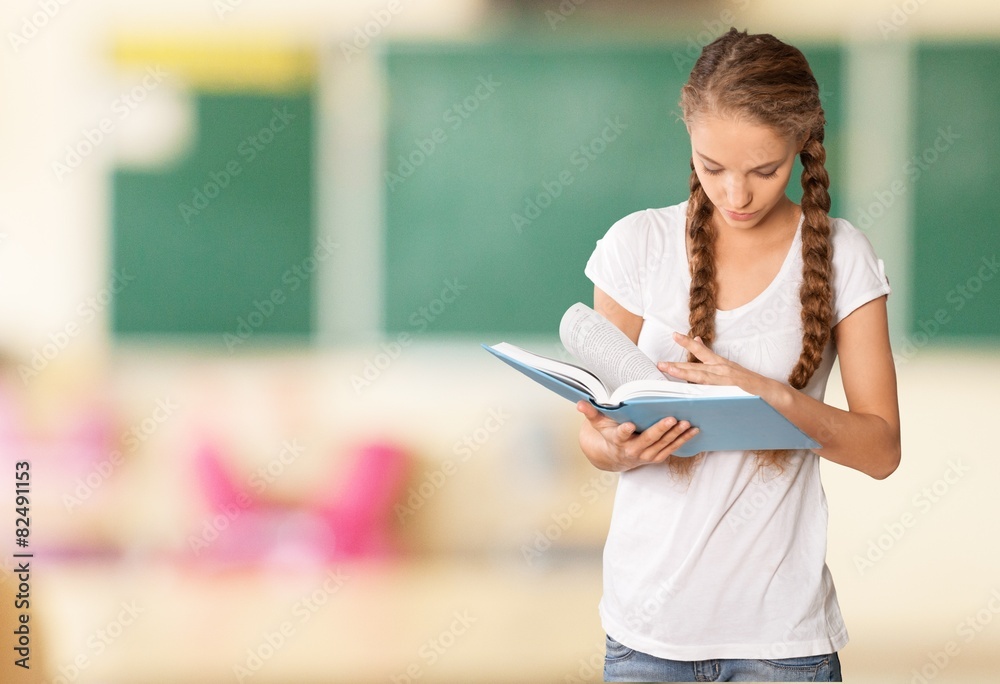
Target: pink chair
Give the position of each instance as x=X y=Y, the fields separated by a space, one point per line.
x=354 y=523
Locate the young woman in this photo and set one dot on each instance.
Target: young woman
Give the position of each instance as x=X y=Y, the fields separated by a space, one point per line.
x=714 y=567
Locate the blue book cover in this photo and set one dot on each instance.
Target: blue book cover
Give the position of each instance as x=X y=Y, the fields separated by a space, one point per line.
x=744 y=422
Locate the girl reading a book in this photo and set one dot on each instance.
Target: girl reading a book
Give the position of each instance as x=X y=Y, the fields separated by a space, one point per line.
x=714 y=567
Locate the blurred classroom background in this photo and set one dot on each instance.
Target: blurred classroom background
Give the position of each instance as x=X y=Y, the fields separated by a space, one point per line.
x=249 y=250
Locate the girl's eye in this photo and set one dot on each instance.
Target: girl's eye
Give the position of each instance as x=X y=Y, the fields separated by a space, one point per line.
x=765 y=176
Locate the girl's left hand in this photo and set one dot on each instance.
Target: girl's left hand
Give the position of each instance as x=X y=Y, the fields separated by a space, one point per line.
x=713 y=369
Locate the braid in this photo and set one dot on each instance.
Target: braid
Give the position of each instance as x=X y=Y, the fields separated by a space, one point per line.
x=701 y=317
x=816 y=293
x=760 y=79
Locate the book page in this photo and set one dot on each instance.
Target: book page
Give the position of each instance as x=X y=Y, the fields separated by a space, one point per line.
x=678 y=390
x=575 y=376
x=604 y=349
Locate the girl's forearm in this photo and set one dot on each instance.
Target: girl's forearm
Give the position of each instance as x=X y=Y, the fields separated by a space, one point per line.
x=863 y=441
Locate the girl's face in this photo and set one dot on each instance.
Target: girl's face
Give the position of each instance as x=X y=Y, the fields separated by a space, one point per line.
x=743 y=167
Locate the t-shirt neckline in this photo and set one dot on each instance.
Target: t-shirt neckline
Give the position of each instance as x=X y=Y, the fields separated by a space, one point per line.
x=793 y=249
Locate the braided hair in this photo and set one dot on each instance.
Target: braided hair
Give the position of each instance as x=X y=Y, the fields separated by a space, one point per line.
x=763 y=80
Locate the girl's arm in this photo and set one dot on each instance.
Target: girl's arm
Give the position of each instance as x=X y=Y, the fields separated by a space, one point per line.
x=865 y=437
x=612 y=446
x=624 y=320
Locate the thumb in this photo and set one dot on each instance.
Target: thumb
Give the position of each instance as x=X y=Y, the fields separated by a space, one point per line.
x=597 y=419
x=588 y=410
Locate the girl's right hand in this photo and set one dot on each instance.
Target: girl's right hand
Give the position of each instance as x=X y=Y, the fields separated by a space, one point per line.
x=616 y=446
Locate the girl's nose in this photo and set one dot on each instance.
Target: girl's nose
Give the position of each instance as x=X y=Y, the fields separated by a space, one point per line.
x=738 y=194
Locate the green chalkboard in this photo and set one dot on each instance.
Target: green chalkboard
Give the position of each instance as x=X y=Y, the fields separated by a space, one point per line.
x=506 y=162
x=221 y=242
x=955 y=176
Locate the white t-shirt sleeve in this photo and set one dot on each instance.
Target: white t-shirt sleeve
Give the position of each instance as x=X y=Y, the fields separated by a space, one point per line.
x=858 y=274
x=616 y=264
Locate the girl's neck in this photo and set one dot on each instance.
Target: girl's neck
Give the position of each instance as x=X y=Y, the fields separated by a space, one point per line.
x=778 y=227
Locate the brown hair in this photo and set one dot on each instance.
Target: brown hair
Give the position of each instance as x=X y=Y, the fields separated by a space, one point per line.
x=760 y=79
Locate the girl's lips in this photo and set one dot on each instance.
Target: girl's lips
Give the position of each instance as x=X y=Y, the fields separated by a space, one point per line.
x=737 y=216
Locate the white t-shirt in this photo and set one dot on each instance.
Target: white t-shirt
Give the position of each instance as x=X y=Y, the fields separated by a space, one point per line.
x=731 y=564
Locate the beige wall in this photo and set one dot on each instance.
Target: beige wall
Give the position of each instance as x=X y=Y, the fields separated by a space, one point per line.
x=878 y=19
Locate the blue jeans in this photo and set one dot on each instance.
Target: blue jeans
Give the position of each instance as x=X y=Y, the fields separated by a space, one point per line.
x=623 y=664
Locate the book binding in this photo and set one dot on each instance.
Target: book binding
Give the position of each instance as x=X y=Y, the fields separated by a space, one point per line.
x=743 y=423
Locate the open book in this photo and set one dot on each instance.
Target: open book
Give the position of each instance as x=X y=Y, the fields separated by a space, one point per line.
x=624 y=384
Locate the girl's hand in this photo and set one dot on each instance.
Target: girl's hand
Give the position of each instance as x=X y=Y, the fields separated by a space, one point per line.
x=617 y=447
x=713 y=369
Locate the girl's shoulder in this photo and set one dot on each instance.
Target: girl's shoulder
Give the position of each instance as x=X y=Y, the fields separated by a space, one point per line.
x=666 y=217
x=859 y=275
x=651 y=224
x=848 y=242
